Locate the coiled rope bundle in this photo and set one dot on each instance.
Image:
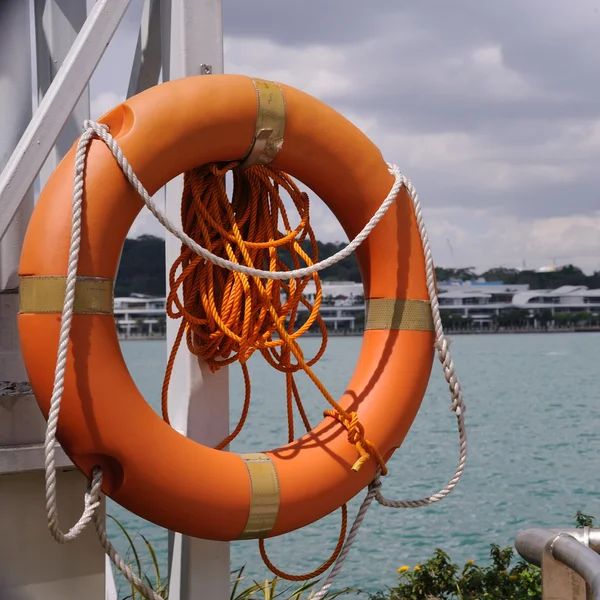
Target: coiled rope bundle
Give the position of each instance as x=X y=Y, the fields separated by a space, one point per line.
x=226 y=316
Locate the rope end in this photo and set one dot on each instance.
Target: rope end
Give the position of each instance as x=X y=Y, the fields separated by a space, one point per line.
x=359 y=463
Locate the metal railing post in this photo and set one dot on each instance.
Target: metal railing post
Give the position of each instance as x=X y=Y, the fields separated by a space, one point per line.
x=568 y=559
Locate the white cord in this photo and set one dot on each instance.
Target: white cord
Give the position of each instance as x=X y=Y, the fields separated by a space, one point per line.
x=92 y=497
x=102 y=132
x=339 y=562
x=443 y=347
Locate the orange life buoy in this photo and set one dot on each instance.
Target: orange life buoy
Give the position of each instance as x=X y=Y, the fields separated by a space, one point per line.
x=149 y=468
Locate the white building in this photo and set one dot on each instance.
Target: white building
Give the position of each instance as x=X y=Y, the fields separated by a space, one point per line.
x=343 y=304
x=568 y=298
x=480 y=302
x=140 y=314
x=336 y=293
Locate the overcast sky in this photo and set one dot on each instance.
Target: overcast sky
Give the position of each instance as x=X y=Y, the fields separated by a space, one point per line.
x=492 y=108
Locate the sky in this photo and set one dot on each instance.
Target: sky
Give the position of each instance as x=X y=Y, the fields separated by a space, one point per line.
x=492 y=109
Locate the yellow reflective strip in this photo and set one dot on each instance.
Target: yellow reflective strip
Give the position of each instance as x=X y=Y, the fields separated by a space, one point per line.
x=265 y=497
x=93 y=295
x=398 y=314
x=270 y=124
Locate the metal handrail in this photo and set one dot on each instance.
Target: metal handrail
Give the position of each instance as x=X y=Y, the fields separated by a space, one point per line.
x=574 y=548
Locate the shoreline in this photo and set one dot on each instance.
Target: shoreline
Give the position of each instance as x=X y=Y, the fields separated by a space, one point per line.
x=449 y=332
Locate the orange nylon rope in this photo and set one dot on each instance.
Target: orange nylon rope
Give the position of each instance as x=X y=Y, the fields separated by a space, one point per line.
x=226 y=316
x=318 y=571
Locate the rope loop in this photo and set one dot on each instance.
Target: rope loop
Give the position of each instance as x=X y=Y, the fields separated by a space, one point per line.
x=319 y=570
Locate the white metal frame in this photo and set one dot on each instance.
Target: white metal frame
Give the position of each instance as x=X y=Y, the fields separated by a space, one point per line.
x=56 y=28
x=198 y=399
x=178 y=38
x=57 y=105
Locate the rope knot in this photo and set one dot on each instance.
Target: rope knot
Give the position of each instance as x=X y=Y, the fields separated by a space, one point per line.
x=458 y=406
x=356 y=436
x=356 y=430
x=95 y=127
x=376 y=483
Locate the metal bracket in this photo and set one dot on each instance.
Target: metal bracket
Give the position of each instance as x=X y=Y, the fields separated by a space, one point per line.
x=270 y=124
x=559 y=582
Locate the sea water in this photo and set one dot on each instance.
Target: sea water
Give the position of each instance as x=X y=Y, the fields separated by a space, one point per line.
x=533 y=421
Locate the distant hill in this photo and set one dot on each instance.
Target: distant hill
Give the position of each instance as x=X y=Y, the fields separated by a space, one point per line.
x=142 y=267
x=142 y=270
x=567 y=275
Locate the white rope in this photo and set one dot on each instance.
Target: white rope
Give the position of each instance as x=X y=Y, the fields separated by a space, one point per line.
x=339 y=562
x=102 y=132
x=92 y=497
x=443 y=347
x=123 y=567
x=458 y=406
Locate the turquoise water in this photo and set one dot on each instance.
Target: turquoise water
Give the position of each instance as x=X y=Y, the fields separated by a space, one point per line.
x=533 y=419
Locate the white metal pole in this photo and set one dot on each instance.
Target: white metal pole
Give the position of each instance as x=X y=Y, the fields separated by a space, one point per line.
x=16 y=107
x=199 y=400
x=147 y=60
x=71 y=80
x=57 y=24
x=32 y=564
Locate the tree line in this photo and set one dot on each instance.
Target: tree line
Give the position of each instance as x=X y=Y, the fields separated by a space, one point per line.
x=142 y=269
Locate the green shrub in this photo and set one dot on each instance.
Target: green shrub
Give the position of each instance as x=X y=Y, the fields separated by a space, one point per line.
x=274 y=589
x=442 y=579
x=436 y=579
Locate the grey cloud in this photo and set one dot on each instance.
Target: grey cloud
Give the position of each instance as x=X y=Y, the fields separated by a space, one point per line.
x=528 y=202
x=305 y=22
x=415 y=110
x=389 y=42
x=404 y=60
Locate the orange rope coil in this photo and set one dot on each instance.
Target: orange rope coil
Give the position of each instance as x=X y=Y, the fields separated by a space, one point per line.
x=319 y=570
x=226 y=316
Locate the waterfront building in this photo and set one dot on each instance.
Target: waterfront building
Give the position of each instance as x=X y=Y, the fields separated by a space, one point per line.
x=139 y=314
x=478 y=303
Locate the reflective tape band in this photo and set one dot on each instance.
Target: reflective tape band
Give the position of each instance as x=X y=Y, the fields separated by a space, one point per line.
x=270 y=124
x=264 y=498
x=398 y=314
x=93 y=295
